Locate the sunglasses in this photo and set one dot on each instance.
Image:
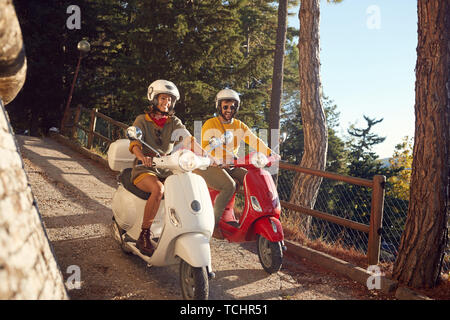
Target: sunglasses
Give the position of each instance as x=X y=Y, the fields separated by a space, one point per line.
x=232 y=107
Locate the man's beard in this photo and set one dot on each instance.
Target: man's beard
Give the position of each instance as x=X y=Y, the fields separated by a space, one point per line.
x=226 y=118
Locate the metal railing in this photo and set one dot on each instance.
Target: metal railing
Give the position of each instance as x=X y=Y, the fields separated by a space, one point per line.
x=371 y=226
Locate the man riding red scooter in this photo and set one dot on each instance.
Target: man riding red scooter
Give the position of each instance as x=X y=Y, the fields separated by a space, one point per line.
x=260 y=218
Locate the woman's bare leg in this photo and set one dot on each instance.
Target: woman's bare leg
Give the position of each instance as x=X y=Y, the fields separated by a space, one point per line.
x=149 y=184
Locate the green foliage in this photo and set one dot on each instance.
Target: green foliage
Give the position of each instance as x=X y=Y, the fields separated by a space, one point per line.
x=363 y=162
x=202 y=46
x=402 y=160
x=49 y=48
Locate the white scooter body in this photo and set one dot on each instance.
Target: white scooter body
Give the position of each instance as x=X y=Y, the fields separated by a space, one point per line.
x=185 y=219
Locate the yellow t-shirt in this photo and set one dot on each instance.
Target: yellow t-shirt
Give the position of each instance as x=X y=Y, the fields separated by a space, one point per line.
x=241 y=132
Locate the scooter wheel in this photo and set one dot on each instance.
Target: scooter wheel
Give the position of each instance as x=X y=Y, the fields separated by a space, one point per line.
x=194 y=282
x=270 y=254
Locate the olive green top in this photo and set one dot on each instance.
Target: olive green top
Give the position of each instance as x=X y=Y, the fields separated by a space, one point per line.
x=161 y=139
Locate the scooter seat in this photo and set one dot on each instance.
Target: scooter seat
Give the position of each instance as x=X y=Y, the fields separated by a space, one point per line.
x=125 y=179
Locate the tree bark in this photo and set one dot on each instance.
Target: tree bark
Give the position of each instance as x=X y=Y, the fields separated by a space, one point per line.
x=424 y=238
x=13 y=64
x=306 y=187
x=28 y=268
x=277 y=77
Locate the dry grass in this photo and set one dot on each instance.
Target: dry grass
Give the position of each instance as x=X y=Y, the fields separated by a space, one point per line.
x=292 y=232
x=440 y=292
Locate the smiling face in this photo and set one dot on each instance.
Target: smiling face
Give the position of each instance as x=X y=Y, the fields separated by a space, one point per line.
x=164 y=102
x=228 y=109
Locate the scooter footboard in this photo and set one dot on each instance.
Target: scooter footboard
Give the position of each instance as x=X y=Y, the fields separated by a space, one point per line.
x=265 y=226
x=194 y=249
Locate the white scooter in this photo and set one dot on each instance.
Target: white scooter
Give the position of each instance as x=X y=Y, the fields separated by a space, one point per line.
x=184 y=222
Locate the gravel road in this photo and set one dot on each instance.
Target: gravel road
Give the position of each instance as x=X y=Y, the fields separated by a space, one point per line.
x=74 y=194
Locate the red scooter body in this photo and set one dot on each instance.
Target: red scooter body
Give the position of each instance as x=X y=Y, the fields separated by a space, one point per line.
x=258 y=183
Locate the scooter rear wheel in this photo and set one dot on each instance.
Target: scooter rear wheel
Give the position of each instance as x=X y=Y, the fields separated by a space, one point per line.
x=270 y=254
x=194 y=282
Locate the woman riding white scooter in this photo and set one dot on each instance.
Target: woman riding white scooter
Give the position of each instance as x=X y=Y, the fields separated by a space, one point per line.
x=183 y=225
x=157 y=125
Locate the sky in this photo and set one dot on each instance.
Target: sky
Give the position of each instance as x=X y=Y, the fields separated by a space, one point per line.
x=368 y=56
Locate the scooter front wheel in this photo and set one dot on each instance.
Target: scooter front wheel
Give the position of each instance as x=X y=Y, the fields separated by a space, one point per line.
x=270 y=254
x=194 y=282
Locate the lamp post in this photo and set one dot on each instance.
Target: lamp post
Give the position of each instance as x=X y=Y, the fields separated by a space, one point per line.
x=84 y=47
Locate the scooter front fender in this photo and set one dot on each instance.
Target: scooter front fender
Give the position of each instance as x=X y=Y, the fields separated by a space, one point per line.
x=264 y=227
x=194 y=249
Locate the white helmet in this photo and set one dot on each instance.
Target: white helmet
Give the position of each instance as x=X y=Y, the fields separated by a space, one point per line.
x=227 y=94
x=162 y=86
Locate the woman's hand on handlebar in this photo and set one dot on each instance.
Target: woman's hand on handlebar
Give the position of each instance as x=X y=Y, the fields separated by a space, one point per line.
x=146 y=161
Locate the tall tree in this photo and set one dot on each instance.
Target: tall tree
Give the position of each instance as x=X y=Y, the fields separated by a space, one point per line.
x=277 y=77
x=306 y=187
x=424 y=238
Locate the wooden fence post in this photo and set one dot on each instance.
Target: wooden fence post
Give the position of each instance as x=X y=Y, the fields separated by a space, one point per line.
x=376 y=220
x=92 y=128
x=75 y=120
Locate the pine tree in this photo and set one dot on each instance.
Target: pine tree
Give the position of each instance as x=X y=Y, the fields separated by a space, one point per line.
x=362 y=160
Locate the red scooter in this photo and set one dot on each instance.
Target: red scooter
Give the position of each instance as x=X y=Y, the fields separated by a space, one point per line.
x=260 y=219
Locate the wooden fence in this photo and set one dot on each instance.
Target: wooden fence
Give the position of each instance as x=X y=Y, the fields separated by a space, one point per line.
x=377 y=185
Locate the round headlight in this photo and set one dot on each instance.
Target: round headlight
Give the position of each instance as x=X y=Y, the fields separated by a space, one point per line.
x=187 y=161
x=259 y=160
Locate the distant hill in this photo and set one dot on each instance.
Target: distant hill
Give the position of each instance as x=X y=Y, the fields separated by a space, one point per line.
x=385 y=162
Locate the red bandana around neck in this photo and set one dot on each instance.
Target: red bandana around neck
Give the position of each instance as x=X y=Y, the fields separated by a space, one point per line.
x=159 y=120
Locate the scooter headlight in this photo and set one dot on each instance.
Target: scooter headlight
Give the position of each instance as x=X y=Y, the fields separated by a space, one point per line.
x=187 y=161
x=259 y=160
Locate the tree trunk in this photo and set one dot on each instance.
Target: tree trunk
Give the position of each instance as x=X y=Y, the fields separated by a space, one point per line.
x=277 y=77
x=12 y=54
x=306 y=187
x=424 y=238
x=28 y=268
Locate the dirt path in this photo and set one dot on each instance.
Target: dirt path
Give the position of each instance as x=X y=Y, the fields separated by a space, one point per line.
x=74 y=194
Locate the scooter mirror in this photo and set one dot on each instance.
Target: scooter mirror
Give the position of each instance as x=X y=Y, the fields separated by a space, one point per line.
x=214 y=142
x=134 y=133
x=227 y=137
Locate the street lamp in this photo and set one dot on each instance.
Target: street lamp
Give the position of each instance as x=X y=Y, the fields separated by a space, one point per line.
x=84 y=47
